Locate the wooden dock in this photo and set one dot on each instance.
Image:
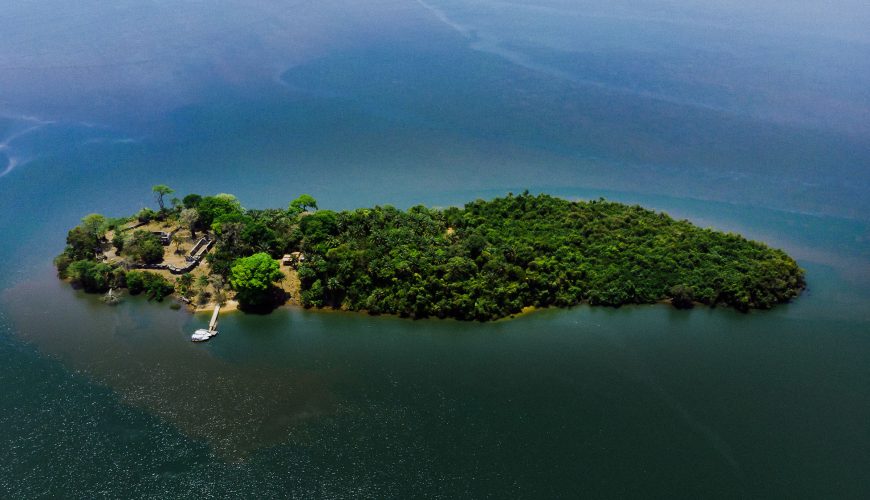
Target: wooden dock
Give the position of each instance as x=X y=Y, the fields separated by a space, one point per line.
x=212 y=325
x=202 y=334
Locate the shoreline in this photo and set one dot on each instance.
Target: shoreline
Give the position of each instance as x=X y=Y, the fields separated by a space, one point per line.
x=525 y=312
x=227 y=307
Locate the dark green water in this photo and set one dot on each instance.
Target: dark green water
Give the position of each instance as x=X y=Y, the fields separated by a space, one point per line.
x=639 y=401
x=116 y=402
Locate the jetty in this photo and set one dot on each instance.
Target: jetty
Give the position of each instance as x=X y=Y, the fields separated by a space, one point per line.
x=203 y=334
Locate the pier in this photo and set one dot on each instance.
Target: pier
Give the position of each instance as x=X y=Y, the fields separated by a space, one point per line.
x=212 y=325
x=202 y=334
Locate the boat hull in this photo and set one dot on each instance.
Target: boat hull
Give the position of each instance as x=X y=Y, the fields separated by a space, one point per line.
x=202 y=335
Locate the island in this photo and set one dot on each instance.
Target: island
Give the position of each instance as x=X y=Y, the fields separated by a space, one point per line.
x=484 y=261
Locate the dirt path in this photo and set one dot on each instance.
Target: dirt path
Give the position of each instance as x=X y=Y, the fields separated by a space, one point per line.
x=291 y=285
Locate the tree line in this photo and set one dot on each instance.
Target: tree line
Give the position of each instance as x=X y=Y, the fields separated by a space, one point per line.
x=491 y=259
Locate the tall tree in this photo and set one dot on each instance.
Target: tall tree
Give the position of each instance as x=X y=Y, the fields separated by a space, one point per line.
x=303 y=203
x=253 y=279
x=81 y=243
x=161 y=190
x=213 y=207
x=189 y=217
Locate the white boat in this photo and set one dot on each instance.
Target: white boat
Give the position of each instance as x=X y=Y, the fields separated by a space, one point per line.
x=204 y=334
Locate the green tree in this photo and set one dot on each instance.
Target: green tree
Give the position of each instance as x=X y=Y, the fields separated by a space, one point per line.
x=253 y=279
x=213 y=207
x=191 y=200
x=257 y=237
x=145 y=215
x=81 y=244
x=189 y=218
x=135 y=282
x=302 y=203
x=62 y=263
x=154 y=285
x=185 y=284
x=161 y=190
x=95 y=224
x=144 y=247
x=93 y=277
x=318 y=227
x=118 y=241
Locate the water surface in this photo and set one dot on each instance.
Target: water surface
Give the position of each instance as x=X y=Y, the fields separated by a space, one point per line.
x=731 y=121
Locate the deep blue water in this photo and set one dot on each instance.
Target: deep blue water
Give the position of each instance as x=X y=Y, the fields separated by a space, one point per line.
x=751 y=120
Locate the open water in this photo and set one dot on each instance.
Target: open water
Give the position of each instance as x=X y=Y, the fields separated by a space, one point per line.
x=744 y=119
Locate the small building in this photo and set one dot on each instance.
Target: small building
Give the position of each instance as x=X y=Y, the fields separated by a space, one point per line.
x=165 y=238
x=293 y=259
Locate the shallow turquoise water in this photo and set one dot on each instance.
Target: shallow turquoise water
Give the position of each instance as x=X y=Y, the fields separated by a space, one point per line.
x=637 y=401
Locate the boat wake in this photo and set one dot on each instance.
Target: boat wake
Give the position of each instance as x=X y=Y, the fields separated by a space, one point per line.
x=33 y=124
x=441 y=16
x=11 y=163
x=17 y=146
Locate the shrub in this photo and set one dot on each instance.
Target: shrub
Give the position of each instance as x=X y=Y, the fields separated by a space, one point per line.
x=93 y=277
x=682 y=297
x=144 y=247
x=153 y=285
x=146 y=215
x=135 y=282
x=62 y=262
x=118 y=241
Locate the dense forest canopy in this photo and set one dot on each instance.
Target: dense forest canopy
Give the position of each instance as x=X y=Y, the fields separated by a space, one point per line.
x=493 y=258
x=486 y=260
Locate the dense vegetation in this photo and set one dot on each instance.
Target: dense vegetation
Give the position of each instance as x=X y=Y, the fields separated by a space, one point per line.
x=154 y=285
x=492 y=259
x=252 y=278
x=484 y=261
x=143 y=247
